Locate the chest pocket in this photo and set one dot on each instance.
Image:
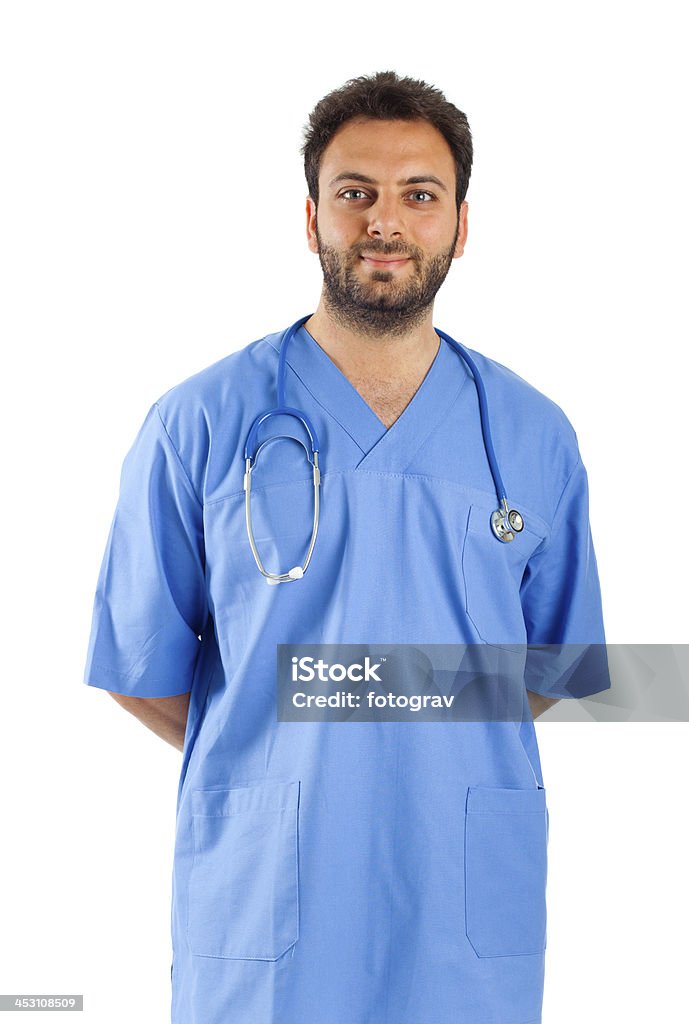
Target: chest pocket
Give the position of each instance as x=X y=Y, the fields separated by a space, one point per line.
x=493 y=572
x=282 y=521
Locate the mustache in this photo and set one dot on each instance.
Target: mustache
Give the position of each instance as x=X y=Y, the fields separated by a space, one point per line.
x=383 y=250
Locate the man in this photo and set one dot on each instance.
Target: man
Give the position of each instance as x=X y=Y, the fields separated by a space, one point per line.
x=352 y=870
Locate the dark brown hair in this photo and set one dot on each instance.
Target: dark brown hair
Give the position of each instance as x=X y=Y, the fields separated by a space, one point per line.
x=386 y=97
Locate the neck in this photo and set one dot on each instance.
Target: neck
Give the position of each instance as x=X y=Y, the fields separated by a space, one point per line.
x=391 y=357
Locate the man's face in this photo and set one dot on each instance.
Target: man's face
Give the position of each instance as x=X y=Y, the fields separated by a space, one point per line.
x=386 y=228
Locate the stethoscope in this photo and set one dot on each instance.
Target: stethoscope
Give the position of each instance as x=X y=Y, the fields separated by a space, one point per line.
x=505 y=522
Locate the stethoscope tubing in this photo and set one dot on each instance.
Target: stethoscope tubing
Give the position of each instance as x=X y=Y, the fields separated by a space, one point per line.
x=483 y=411
x=505 y=523
x=289 y=410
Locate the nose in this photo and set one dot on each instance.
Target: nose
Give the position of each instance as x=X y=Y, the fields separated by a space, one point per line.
x=385 y=219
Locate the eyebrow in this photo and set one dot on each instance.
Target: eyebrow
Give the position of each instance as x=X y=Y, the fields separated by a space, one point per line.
x=417 y=179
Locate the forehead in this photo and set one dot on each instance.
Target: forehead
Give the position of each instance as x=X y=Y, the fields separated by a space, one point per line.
x=376 y=147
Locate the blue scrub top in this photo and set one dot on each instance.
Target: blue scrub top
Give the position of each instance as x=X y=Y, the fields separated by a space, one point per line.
x=347 y=872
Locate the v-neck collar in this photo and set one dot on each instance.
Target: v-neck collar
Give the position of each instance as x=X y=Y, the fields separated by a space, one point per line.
x=392 y=448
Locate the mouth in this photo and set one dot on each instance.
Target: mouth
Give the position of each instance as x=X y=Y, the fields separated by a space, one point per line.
x=385 y=262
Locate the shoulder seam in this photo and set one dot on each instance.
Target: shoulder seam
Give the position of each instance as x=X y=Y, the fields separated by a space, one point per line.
x=178 y=456
x=559 y=502
x=575 y=467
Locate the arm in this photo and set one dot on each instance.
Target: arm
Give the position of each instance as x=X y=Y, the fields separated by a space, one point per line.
x=539 y=704
x=165 y=716
x=150 y=609
x=561 y=599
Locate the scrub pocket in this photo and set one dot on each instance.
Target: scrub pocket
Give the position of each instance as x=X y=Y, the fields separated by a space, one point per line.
x=493 y=572
x=506 y=838
x=281 y=522
x=244 y=884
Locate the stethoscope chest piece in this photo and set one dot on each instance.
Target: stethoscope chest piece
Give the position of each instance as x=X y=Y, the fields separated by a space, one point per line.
x=506 y=522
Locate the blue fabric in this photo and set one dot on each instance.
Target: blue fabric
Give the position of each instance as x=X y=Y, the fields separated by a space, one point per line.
x=347 y=872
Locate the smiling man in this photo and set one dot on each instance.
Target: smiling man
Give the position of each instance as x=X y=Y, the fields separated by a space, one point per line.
x=354 y=869
x=386 y=240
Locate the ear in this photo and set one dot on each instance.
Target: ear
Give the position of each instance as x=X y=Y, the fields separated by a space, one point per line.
x=311 y=238
x=463 y=228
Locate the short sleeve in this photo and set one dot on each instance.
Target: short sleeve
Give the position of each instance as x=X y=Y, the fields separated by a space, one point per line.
x=150 y=606
x=561 y=602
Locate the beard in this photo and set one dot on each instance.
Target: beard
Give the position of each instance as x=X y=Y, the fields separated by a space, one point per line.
x=382 y=305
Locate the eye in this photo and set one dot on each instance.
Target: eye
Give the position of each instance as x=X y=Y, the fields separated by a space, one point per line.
x=348 y=191
x=423 y=192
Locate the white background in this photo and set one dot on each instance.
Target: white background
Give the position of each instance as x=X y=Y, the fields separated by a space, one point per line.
x=153 y=221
